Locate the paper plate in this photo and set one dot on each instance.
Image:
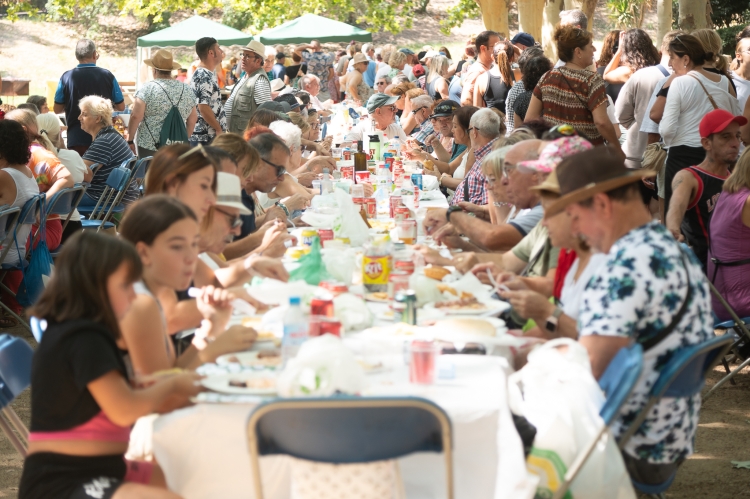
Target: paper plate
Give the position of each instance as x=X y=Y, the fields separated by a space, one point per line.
x=250 y=359
x=492 y=308
x=259 y=383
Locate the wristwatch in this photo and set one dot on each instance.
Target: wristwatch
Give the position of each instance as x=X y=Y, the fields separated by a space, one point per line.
x=451 y=210
x=551 y=324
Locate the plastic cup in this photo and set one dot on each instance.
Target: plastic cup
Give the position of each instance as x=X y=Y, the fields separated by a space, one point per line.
x=407 y=231
x=336 y=152
x=357 y=191
x=422 y=359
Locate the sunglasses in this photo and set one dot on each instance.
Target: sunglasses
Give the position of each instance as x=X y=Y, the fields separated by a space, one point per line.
x=235 y=221
x=280 y=170
x=380 y=83
x=199 y=148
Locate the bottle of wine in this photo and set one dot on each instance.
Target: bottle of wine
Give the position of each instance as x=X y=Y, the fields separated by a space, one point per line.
x=360 y=158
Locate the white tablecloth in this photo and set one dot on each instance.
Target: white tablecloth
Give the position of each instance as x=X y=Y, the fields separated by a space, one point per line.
x=203 y=449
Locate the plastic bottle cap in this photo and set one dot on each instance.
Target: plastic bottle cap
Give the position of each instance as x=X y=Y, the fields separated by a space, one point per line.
x=294 y=300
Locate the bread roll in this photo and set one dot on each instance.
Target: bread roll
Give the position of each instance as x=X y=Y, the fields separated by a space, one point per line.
x=477 y=327
x=436 y=273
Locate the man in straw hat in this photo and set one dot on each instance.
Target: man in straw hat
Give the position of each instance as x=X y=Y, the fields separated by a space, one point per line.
x=648 y=290
x=251 y=91
x=212 y=120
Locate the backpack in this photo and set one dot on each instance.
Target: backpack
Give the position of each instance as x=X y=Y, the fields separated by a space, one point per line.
x=173 y=130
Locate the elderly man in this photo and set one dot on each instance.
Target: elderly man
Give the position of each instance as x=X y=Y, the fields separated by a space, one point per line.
x=274 y=155
x=442 y=123
x=381 y=83
x=383 y=113
x=485 y=43
x=369 y=75
x=318 y=63
x=484 y=235
x=696 y=189
x=421 y=108
x=647 y=291
x=484 y=129
x=212 y=121
x=311 y=84
x=84 y=80
x=251 y=91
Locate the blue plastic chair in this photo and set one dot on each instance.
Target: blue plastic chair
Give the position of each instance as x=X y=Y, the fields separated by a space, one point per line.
x=117 y=184
x=348 y=430
x=617 y=382
x=140 y=169
x=116 y=206
x=64 y=203
x=38 y=327
x=15 y=377
x=683 y=376
x=8 y=219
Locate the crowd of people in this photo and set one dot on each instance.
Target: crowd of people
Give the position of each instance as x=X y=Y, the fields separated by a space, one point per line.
x=572 y=183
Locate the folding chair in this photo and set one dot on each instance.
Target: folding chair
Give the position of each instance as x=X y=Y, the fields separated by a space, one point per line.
x=348 y=430
x=38 y=327
x=617 y=382
x=8 y=220
x=683 y=376
x=94 y=213
x=117 y=183
x=64 y=203
x=27 y=216
x=740 y=328
x=139 y=172
x=15 y=377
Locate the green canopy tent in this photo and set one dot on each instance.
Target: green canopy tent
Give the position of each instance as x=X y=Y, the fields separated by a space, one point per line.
x=313 y=27
x=186 y=33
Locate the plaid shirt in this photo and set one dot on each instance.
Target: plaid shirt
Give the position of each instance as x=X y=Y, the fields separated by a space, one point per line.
x=475 y=178
x=425 y=129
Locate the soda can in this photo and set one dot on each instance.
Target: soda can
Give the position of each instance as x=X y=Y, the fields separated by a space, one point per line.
x=347 y=154
x=372 y=207
x=417 y=189
x=416 y=179
x=362 y=177
x=389 y=162
x=325 y=235
x=308 y=235
x=347 y=172
x=395 y=201
x=400 y=213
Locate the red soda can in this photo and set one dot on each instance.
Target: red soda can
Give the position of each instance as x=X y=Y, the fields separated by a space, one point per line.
x=347 y=172
x=416 y=197
x=347 y=155
x=362 y=177
x=400 y=213
x=395 y=201
x=321 y=306
x=372 y=207
x=325 y=235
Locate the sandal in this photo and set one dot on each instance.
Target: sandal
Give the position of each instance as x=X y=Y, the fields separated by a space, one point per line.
x=7 y=321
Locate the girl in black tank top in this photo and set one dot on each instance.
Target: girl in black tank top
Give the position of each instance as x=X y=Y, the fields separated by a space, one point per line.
x=500 y=78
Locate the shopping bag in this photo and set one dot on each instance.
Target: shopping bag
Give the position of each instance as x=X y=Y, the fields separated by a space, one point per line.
x=311 y=268
x=556 y=392
x=39 y=271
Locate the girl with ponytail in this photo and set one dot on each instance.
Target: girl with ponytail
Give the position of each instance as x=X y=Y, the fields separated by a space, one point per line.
x=492 y=87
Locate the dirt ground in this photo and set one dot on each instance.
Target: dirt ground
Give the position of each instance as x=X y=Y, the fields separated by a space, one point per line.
x=723 y=434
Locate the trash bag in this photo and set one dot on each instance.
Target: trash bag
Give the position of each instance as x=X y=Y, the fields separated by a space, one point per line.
x=311 y=268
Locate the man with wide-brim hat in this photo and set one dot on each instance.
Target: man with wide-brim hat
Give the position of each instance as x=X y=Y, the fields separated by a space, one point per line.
x=648 y=291
x=251 y=91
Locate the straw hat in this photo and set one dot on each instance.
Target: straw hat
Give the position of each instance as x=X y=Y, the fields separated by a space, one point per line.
x=162 y=60
x=359 y=57
x=256 y=47
x=229 y=192
x=597 y=170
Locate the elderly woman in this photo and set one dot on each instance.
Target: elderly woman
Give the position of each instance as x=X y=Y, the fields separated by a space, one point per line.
x=155 y=100
x=107 y=148
x=40 y=102
x=397 y=62
x=356 y=88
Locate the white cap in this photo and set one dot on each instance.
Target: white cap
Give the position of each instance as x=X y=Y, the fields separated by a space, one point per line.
x=429 y=54
x=229 y=192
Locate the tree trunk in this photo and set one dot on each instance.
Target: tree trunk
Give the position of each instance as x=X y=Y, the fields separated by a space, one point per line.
x=495 y=15
x=550 y=19
x=587 y=6
x=694 y=14
x=531 y=17
x=663 y=19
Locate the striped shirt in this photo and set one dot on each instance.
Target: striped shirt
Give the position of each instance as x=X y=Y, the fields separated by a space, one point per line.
x=569 y=96
x=111 y=150
x=474 y=179
x=262 y=94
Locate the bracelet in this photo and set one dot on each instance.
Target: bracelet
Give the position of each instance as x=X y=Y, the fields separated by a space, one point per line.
x=502 y=205
x=283 y=207
x=131 y=142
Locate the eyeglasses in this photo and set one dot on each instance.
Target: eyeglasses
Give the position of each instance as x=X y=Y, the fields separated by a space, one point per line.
x=199 y=148
x=507 y=169
x=315 y=126
x=470 y=129
x=235 y=221
x=252 y=56
x=490 y=180
x=415 y=111
x=280 y=170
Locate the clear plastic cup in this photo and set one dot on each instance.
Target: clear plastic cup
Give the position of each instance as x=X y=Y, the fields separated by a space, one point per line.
x=422 y=362
x=357 y=191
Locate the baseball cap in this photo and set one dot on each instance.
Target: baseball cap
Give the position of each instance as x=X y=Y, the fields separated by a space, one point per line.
x=289 y=99
x=229 y=192
x=524 y=39
x=406 y=51
x=428 y=54
x=717 y=120
x=418 y=70
x=379 y=100
x=445 y=109
x=277 y=106
x=553 y=154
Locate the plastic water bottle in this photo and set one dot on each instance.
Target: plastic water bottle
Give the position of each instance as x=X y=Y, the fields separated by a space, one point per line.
x=394 y=146
x=327 y=185
x=295 y=330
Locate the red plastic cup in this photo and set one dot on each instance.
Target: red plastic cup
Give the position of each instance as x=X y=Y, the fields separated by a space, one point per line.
x=422 y=362
x=362 y=177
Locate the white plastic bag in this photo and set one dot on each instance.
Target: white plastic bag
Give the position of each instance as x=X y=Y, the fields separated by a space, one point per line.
x=556 y=392
x=322 y=366
x=348 y=221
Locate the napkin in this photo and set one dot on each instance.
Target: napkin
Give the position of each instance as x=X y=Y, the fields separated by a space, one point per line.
x=322 y=367
x=429 y=183
x=470 y=284
x=431 y=195
x=352 y=312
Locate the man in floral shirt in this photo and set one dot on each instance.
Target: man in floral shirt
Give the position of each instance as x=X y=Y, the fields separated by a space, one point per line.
x=318 y=63
x=211 y=118
x=637 y=292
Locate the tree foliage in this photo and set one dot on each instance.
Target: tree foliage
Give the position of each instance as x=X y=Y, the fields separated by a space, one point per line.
x=456 y=15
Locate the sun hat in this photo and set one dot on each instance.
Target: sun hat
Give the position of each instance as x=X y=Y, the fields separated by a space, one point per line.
x=717 y=120
x=379 y=100
x=590 y=172
x=276 y=106
x=429 y=54
x=277 y=84
x=256 y=47
x=553 y=153
x=229 y=192
x=445 y=109
x=162 y=61
x=524 y=39
x=359 y=57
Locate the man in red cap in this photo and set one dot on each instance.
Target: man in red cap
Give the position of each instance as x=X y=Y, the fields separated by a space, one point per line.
x=696 y=188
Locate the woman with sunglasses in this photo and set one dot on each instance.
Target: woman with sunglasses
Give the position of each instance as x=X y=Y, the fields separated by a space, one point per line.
x=573 y=94
x=354 y=83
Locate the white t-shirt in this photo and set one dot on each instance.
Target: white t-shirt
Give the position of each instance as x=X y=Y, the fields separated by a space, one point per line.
x=77 y=168
x=743 y=90
x=365 y=128
x=572 y=290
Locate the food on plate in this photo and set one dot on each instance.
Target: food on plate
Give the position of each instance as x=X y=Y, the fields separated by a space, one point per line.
x=264 y=358
x=461 y=304
x=253 y=383
x=377 y=296
x=369 y=366
x=436 y=272
x=476 y=327
x=255 y=323
x=428 y=164
x=444 y=288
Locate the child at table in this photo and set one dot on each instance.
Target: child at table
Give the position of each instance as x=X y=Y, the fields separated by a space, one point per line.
x=82 y=404
x=165 y=233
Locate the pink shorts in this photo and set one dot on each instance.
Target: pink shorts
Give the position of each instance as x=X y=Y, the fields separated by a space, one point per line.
x=139 y=471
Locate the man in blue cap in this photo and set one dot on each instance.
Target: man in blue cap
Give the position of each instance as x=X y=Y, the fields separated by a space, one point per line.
x=522 y=41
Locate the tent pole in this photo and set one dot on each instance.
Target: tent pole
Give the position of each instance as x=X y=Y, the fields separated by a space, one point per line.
x=138 y=68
